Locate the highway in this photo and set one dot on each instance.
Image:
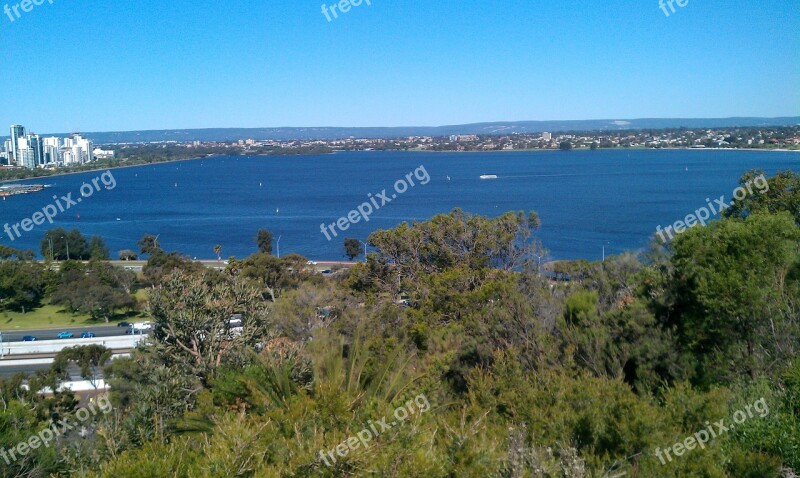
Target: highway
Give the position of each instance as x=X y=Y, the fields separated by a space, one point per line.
x=51 y=334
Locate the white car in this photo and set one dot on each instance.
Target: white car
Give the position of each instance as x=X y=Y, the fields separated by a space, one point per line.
x=311 y=263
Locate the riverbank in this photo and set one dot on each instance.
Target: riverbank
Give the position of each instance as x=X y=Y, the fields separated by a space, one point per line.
x=126 y=166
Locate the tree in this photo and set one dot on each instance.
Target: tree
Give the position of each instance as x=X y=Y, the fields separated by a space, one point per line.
x=66 y=245
x=264 y=241
x=99 y=291
x=565 y=146
x=148 y=244
x=90 y=359
x=218 y=252
x=735 y=285
x=97 y=249
x=193 y=320
x=22 y=284
x=352 y=248
x=778 y=193
x=127 y=255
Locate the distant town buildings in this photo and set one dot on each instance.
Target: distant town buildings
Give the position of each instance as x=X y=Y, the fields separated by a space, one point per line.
x=29 y=150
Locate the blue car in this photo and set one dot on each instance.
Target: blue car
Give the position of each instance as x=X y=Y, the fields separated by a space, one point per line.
x=65 y=335
x=87 y=335
x=29 y=338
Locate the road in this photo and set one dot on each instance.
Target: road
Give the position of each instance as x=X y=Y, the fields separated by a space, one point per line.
x=51 y=334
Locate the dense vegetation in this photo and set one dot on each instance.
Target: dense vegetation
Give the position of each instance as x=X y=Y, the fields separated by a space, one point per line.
x=525 y=375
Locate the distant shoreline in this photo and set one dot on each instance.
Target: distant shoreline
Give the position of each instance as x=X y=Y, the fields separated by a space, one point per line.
x=69 y=173
x=609 y=149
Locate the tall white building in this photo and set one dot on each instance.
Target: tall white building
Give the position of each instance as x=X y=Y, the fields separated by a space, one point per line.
x=52 y=150
x=77 y=150
x=547 y=136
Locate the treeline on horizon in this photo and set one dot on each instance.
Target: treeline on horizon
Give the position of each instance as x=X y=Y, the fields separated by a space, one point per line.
x=147 y=153
x=525 y=376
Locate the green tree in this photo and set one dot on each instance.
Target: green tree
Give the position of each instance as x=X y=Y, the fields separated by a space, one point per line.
x=148 y=244
x=90 y=358
x=193 y=318
x=128 y=255
x=352 y=248
x=97 y=248
x=264 y=241
x=734 y=284
x=67 y=245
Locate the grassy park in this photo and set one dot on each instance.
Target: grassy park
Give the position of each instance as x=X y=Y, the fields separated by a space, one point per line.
x=52 y=317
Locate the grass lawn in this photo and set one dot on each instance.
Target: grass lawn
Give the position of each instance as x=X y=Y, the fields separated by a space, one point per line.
x=52 y=317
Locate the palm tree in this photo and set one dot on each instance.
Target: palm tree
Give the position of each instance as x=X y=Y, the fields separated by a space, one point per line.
x=218 y=252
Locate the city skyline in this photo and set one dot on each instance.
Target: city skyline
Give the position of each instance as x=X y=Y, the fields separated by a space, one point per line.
x=385 y=64
x=30 y=150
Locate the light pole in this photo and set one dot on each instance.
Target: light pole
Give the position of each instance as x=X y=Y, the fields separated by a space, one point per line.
x=50 y=240
x=365 y=249
x=279 y=247
x=66 y=241
x=2 y=352
x=540 y=262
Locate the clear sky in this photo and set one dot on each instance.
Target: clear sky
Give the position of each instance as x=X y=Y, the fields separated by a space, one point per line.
x=94 y=65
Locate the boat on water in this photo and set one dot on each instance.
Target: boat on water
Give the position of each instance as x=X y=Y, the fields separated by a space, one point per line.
x=488 y=176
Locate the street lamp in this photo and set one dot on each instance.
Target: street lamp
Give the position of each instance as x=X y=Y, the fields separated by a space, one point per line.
x=279 y=247
x=540 y=262
x=365 y=249
x=66 y=241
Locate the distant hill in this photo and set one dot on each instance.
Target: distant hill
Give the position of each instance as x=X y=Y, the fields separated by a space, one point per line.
x=327 y=133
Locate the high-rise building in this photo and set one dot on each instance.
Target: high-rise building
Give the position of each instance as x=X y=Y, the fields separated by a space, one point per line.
x=547 y=136
x=29 y=151
x=52 y=150
x=17 y=132
x=81 y=149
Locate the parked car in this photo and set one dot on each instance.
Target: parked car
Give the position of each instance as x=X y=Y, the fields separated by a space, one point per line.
x=65 y=335
x=29 y=338
x=124 y=324
x=87 y=335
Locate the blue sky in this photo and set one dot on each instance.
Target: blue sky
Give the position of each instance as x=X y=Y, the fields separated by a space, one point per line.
x=111 y=65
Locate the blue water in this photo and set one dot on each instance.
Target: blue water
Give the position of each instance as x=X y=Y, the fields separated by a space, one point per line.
x=586 y=199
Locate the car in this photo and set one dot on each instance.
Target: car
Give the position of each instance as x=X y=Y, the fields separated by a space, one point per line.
x=87 y=335
x=29 y=338
x=327 y=272
x=311 y=263
x=124 y=324
x=65 y=335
